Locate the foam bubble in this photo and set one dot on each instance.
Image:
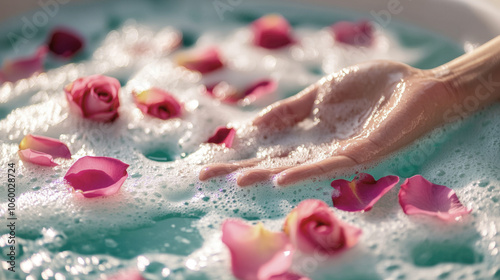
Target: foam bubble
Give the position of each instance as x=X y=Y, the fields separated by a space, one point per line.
x=177 y=218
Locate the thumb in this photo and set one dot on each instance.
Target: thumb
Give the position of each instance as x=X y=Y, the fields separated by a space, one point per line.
x=287 y=112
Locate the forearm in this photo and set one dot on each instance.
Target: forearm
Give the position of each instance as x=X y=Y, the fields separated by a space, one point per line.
x=474 y=78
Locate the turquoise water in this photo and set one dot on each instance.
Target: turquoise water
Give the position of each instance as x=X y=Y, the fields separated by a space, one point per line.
x=171 y=220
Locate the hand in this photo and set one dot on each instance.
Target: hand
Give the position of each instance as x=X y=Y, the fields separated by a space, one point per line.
x=369 y=111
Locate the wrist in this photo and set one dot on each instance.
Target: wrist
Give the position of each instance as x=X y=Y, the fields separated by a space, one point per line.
x=473 y=77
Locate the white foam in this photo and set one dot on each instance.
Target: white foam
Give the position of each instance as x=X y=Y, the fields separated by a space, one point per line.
x=155 y=190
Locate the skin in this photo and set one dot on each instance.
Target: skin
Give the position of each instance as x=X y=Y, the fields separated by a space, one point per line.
x=395 y=105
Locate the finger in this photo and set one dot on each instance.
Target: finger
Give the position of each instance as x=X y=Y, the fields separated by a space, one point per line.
x=253 y=176
x=288 y=112
x=307 y=171
x=219 y=169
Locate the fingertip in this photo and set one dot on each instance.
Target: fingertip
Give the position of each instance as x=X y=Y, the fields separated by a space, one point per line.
x=262 y=116
x=282 y=179
x=215 y=170
x=251 y=177
x=242 y=181
x=205 y=173
x=292 y=175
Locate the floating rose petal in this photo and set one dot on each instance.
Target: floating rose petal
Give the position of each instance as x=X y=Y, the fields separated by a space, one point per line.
x=29 y=155
x=158 y=103
x=271 y=32
x=353 y=33
x=223 y=136
x=94 y=97
x=362 y=192
x=41 y=150
x=256 y=253
x=312 y=227
x=97 y=176
x=260 y=88
x=203 y=61
x=288 y=276
x=46 y=145
x=222 y=91
x=130 y=274
x=65 y=42
x=14 y=70
x=229 y=94
x=419 y=196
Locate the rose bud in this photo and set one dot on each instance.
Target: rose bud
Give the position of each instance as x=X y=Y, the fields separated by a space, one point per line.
x=312 y=227
x=94 y=97
x=158 y=103
x=271 y=32
x=353 y=33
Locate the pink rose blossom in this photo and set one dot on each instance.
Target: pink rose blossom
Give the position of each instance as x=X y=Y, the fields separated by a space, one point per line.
x=41 y=150
x=97 y=176
x=203 y=61
x=362 y=192
x=272 y=32
x=21 y=68
x=223 y=136
x=312 y=227
x=256 y=253
x=229 y=94
x=65 y=42
x=94 y=97
x=158 y=103
x=419 y=196
x=353 y=33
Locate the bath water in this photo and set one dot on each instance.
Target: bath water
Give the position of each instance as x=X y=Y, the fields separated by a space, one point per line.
x=164 y=222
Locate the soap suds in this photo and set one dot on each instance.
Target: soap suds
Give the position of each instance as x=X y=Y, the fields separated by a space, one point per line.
x=53 y=220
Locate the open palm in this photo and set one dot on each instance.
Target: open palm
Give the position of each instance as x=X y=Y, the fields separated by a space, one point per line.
x=368 y=111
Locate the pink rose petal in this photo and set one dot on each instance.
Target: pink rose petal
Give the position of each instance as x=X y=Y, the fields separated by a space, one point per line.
x=288 y=276
x=21 y=68
x=46 y=145
x=353 y=33
x=36 y=157
x=203 y=61
x=97 y=176
x=362 y=192
x=260 y=88
x=229 y=94
x=271 y=32
x=419 y=196
x=129 y=274
x=256 y=253
x=223 y=136
x=158 y=103
x=223 y=91
x=42 y=150
x=312 y=227
x=65 y=42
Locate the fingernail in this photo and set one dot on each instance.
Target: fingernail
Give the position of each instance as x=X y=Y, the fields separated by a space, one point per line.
x=240 y=180
x=205 y=174
x=280 y=179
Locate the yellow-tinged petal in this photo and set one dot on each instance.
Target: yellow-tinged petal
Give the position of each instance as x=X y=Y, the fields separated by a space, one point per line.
x=256 y=253
x=46 y=145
